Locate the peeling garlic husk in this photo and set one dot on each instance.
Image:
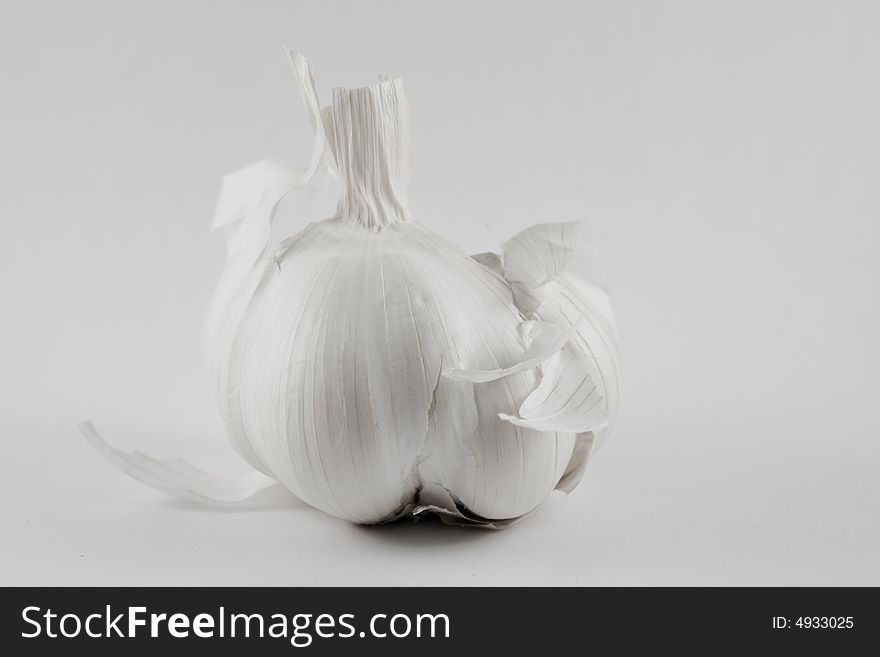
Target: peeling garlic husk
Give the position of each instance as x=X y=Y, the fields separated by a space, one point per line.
x=373 y=369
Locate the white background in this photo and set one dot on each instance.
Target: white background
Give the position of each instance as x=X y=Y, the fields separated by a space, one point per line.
x=729 y=150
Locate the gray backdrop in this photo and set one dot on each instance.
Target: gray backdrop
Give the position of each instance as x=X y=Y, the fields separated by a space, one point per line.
x=729 y=150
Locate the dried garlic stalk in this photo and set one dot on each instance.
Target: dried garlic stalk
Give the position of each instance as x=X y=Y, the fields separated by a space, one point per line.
x=376 y=371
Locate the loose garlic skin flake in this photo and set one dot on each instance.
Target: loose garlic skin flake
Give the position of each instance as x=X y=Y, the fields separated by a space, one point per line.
x=376 y=371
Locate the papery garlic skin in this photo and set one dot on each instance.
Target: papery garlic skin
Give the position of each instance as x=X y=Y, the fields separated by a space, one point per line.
x=341 y=394
x=375 y=370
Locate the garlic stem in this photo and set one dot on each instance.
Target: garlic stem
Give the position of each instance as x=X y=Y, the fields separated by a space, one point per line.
x=370 y=127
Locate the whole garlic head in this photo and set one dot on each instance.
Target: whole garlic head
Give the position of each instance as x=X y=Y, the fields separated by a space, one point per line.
x=376 y=371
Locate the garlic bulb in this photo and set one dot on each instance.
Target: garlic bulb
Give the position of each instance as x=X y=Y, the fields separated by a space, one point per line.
x=376 y=371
